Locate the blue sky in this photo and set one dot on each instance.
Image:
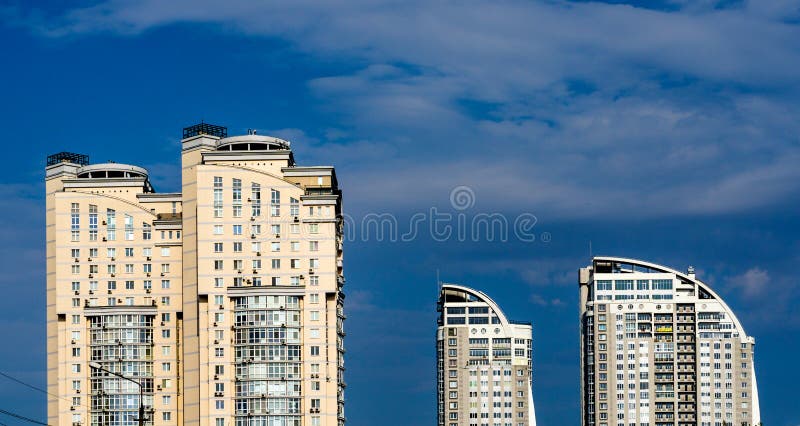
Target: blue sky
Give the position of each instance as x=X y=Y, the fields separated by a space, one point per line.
x=666 y=131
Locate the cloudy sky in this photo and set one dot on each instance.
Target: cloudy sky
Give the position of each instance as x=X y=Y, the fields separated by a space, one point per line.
x=662 y=130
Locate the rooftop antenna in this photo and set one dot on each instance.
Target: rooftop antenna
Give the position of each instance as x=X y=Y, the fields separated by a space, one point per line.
x=590 y=249
x=438 y=283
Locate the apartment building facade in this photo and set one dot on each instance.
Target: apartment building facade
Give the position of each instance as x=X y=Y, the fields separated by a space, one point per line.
x=484 y=362
x=223 y=301
x=660 y=348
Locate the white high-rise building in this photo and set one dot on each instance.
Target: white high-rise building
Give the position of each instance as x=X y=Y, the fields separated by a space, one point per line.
x=484 y=362
x=660 y=348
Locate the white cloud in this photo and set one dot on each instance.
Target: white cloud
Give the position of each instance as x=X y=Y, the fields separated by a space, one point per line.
x=752 y=282
x=577 y=109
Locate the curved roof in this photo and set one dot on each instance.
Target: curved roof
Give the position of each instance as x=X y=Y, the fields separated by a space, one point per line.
x=480 y=296
x=252 y=143
x=683 y=276
x=109 y=170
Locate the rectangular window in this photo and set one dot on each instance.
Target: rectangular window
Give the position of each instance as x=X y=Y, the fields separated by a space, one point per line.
x=217 y=247
x=92 y=222
x=217 y=229
x=255 y=199
x=237 y=229
x=294 y=207
x=313 y=228
x=313 y=245
x=128 y=227
x=217 y=196
x=111 y=227
x=147 y=231
x=164 y=251
x=75 y=218
x=237 y=197
x=275 y=203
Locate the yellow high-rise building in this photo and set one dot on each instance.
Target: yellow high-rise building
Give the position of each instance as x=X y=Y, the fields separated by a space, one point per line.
x=223 y=301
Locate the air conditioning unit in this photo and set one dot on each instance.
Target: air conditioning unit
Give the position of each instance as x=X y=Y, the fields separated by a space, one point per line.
x=113 y=275
x=149 y=258
x=77 y=391
x=104 y=222
x=77 y=292
x=296 y=219
x=277 y=235
x=113 y=258
x=162 y=323
x=253 y=236
x=258 y=253
x=148 y=291
x=110 y=292
x=158 y=387
x=239 y=271
x=91 y=276
x=73 y=341
x=89 y=259
x=216 y=342
x=148 y=274
x=77 y=260
x=104 y=239
x=162 y=274
x=215 y=324
x=221 y=307
x=91 y=291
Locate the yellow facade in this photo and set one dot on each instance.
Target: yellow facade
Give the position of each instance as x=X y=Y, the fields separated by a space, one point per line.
x=246 y=319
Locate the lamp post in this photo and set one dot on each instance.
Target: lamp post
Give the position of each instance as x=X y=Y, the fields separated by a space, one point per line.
x=97 y=366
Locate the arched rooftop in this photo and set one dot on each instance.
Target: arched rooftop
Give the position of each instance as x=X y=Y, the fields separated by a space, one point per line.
x=616 y=265
x=253 y=143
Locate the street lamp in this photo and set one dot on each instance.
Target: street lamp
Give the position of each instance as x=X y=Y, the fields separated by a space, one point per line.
x=97 y=366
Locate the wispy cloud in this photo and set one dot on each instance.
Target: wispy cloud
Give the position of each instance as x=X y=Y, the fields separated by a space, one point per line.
x=581 y=109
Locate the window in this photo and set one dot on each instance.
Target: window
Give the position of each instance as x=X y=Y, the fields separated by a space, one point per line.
x=166 y=416
x=217 y=196
x=275 y=203
x=92 y=222
x=313 y=280
x=276 y=263
x=313 y=245
x=313 y=263
x=164 y=251
x=165 y=268
x=128 y=227
x=276 y=246
x=111 y=227
x=129 y=285
x=294 y=207
x=255 y=199
x=165 y=300
x=165 y=284
x=112 y=285
x=294 y=246
x=237 y=197
x=313 y=298
x=147 y=268
x=217 y=247
x=662 y=284
x=294 y=228
x=75 y=218
x=217 y=229
x=218 y=282
x=147 y=284
x=219 y=299
x=237 y=229
x=276 y=280
x=313 y=228
x=315 y=351
x=76 y=286
x=147 y=231
x=314 y=315
x=237 y=247
x=218 y=264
